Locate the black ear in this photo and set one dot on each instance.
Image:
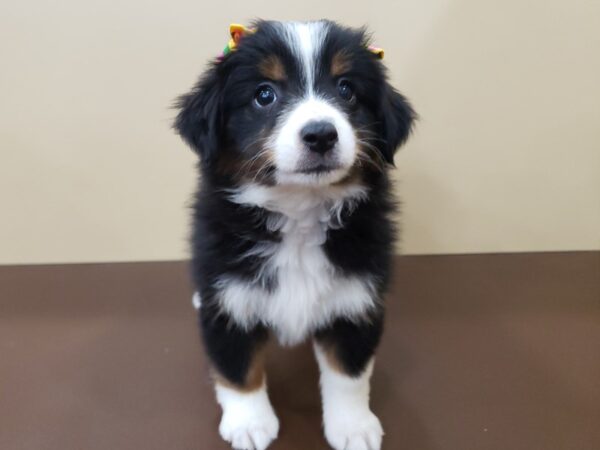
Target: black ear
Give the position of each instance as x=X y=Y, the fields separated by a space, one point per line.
x=198 y=121
x=397 y=118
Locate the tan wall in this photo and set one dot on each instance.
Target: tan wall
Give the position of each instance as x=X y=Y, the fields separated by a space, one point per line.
x=505 y=158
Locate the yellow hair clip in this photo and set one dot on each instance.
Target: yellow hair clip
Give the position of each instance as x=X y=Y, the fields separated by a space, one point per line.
x=376 y=51
x=237 y=32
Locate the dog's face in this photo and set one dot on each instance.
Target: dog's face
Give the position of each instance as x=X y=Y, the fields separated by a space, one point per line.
x=296 y=103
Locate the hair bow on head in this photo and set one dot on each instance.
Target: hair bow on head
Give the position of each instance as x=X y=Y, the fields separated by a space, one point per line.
x=377 y=51
x=238 y=31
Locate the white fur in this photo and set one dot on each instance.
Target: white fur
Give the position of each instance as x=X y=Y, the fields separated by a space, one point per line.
x=248 y=421
x=289 y=149
x=310 y=292
x=196 y=300
x=348 y=421
x=305 y=39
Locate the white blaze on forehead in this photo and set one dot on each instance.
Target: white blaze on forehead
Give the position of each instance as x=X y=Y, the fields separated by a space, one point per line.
x=306 y=40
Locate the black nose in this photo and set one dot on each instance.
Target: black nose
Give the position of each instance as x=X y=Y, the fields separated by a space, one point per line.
x=319 y=136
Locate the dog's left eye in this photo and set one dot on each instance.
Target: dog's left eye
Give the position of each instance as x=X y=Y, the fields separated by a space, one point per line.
x=265 y=95
x=346 y=91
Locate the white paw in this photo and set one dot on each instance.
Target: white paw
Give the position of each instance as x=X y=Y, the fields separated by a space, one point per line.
x=353 y=430
x=248 y=421
x=249 y=432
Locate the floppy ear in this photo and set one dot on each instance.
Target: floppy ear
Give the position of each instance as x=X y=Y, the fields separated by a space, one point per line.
x=198 y=121
x=397 y=117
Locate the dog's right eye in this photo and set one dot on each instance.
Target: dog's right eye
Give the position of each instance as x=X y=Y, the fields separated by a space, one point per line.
x=265 y=95
x=345 y=90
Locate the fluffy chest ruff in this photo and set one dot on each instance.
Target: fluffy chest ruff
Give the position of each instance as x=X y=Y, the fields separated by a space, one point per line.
x=308 y=292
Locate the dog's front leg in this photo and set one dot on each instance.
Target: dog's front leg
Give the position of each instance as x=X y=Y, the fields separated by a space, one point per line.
x=345 y=356
x=248 y=421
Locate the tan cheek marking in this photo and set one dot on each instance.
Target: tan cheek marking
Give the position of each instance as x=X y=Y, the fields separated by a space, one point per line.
x=272 y=68
x=255 y=377
x=340 y=64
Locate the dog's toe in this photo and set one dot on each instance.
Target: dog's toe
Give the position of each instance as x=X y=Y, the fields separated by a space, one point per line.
x=262 y=438
x=251 y=438
x=240 y=440
x=246 y=431
x=359 y=431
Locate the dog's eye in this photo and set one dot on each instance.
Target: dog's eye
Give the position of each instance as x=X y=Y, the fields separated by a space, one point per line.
x=265 y=95
x=345 y=90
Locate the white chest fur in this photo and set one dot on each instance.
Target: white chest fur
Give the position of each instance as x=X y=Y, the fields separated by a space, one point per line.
x=309 y=292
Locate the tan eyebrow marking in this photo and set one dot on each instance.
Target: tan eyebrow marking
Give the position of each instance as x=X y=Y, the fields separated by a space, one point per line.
x=272 y=68
x=340 y=63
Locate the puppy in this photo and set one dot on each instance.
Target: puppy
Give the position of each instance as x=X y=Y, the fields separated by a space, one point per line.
x=292 y=235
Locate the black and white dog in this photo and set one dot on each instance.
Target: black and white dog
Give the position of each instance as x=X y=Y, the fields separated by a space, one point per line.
x=292 y=234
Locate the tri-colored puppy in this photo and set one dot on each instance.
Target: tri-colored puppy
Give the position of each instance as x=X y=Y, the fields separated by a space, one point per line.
x=292 y=234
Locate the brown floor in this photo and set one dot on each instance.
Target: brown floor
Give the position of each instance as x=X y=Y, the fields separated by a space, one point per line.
x=480 y=352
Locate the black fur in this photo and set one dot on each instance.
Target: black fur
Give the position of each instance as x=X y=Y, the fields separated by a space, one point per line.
x=217 y=119
x=353 y=343
x=229 y=347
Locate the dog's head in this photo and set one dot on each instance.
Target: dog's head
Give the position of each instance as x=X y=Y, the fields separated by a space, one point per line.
x=296 y=103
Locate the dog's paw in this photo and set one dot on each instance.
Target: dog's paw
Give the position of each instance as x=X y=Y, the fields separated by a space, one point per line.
x=249 y=432
x=248 y=421
x=353 y=430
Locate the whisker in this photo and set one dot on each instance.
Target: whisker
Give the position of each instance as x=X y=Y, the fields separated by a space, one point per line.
x=374 y=157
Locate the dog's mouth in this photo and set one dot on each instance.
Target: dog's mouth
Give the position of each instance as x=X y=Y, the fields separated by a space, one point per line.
x=314 y=168
x=314 y=164
x=318 y=174
x=319 y=169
